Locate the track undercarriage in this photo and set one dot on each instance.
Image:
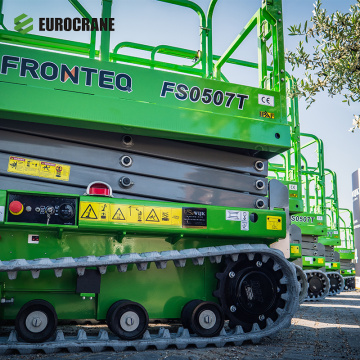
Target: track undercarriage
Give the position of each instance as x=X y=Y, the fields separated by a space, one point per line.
x=243 y=266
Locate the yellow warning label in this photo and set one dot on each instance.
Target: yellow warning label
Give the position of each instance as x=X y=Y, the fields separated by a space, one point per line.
x=273 y=223
x=320 y=261
x=293 y=195
x=335 y=265
x=94 y=211
x=295 y=249
x=38 y=168
x=130 y=214
x=266 y=114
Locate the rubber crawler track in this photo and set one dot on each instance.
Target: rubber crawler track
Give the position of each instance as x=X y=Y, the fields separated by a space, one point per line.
x=332 y=291
x=181 y=339
x=325 y=291
x=303 y=283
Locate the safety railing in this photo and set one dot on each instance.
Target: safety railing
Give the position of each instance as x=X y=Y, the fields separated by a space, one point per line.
x=267 y=20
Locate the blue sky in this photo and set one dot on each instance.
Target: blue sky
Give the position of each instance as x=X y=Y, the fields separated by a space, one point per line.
x=154 y=22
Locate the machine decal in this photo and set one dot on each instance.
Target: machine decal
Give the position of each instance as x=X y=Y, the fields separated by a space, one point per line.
x=233 y=215
x=266 y=100
x=38 y=168
x=89 y=213
x=267 y=115
x=194 y=218
x=305 y=219
x=295 y=249
x=273 y=223
x=130 y=214
x=207 y=96
x=244 y=221
x=50 y=71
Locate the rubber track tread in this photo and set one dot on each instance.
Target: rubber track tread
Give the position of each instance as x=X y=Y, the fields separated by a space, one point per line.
x=181 y=339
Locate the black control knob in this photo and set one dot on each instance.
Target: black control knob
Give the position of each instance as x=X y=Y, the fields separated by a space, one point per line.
x=66 y=211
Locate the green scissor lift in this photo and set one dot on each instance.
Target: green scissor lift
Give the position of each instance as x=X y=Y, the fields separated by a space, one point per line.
x=347 y=248
x=307 y=200
x=332 y=238
x=286 y=168
x=133 y=189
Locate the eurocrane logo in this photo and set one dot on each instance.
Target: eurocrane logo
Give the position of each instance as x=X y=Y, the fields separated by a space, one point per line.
x=19 y=24
x=76 y=24
x=64 y=24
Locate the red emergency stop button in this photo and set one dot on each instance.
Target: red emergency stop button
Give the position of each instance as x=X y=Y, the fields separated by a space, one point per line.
x=16 y=207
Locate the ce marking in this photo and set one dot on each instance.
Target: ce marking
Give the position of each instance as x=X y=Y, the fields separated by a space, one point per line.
x=267 y=100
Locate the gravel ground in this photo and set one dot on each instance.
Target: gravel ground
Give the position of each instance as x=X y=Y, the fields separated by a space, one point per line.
x=323 y=330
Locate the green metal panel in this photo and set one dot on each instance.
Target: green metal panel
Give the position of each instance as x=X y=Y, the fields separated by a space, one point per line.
x=126 y=98
x=140 y=109
x=310 y=224
x=313 y=262
x=348 y=272
x=295 y=251
x=332 y=266
x=162 y=292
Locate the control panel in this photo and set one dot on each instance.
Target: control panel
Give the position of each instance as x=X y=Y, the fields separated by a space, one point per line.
x=42 y=209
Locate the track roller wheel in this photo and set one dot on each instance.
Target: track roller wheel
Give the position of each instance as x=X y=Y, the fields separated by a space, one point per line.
x=319 y=285
x=36 y=321
x=352 y=283
x=302 y=279
x=349 y=283
x=203 y=318
x=127 y=319
x=252 y=290
x=336 y=283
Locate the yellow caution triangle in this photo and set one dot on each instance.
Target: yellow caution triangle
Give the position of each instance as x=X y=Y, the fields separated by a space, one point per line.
x=118 y=215
x=152 y=216
x=89 y=213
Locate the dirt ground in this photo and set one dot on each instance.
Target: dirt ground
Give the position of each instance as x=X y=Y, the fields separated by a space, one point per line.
x=323 y=330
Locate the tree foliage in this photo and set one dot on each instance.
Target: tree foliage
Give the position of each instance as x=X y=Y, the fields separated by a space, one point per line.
x=333 y=64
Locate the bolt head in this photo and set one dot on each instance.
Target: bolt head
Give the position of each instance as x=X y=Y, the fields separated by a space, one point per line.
x=261 y=317
x=259 y=264
x=232 y=308
x=231 y=274
x=129 y=321
x=208 y=319
x=36 y=322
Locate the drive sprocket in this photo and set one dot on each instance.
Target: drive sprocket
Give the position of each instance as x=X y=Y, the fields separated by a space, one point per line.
x=255 y=290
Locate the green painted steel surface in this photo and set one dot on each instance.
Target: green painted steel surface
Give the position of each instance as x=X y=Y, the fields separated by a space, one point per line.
x=162 y=292
x=139 y=108
x=295 y=251
x=91 y=89
x=332 y=266
x=147 y=101
x=348 y=272
x=310 y=224
x=313 y=262
x=346 y=226
x=332 y=211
